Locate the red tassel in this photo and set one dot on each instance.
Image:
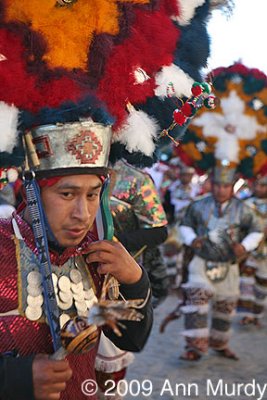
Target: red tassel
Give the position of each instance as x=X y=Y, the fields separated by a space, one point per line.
x=196 y=90
x=179 y=117
x=188 y=109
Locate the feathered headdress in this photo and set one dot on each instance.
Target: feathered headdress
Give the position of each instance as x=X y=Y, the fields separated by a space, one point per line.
x=234 y=135
x=112 y=61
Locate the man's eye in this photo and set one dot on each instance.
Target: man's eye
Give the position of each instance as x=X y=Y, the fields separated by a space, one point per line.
x=92 y=196
x=67 y=194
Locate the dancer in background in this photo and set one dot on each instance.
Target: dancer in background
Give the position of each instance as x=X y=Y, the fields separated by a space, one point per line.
x=220 y=229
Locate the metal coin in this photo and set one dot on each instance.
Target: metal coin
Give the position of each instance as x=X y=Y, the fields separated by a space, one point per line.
x=64 y=284
x=63 y=319
x=54 y=279
x=77 y=288
x=79 y=296
x=75 y=276
x=81 y=306
x=35 y=301
x=89 y=294
x=82 y=313
x=66 y=297
x=64 y=306
x=34 y=278
x=34 y=291
x=33 y=313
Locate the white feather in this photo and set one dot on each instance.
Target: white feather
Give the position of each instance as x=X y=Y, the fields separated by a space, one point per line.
x=214 y=124
x=187 y=10
x=8 y=126
x=181 y=81
x=138 y=133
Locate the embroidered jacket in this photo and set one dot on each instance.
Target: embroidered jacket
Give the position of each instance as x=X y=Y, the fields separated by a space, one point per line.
x=19 y=335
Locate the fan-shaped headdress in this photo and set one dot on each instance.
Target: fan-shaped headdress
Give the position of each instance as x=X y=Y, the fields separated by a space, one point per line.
x=233 y=137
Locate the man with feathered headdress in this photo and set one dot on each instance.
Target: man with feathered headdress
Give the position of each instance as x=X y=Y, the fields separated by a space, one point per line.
x=52 y=256
x=221 y=229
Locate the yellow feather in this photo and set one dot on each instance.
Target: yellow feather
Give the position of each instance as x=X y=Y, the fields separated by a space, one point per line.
x=67 y=30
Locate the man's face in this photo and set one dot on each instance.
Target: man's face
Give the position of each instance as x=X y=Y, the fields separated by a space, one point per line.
x=186 y=178
x=260 y=190
x=71 y=206
x=222 y=191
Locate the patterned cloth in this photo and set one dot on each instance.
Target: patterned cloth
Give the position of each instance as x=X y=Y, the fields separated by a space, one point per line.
x=199 y=291
x=30 y=337
x=135 y=202
x=219 y=228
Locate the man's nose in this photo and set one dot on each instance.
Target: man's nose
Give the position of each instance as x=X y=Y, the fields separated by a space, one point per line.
x=81 y=210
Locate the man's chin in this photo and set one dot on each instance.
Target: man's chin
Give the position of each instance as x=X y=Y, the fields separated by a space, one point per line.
x=65 y=242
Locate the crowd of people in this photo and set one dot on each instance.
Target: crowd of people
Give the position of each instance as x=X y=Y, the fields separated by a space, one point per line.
x=225 y=237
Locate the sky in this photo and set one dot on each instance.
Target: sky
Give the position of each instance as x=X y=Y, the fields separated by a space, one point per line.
x=240 y=37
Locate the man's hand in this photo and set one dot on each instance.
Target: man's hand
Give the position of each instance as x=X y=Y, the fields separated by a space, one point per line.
x=239 y=250
x=197 y=243
x=114 y=259
x=49 y=377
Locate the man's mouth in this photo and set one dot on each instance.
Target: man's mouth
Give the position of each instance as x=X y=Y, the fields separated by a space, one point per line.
x=76 y=232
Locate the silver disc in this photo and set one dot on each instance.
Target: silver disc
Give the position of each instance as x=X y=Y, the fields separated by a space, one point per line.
x=79 y=296
x=89 y=294
x=64 y=284
x=34 y=291
x=77 y=287
x=35 y=301
x=64 y=306
x=63 y=319
x=81 y=306
x=33 y=313
x=54 y=279
x=34 y=278
x=75 y=276
x=66 y=297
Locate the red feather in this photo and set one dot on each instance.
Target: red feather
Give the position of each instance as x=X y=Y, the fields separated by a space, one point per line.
x=25 y=89
x=150 y=45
